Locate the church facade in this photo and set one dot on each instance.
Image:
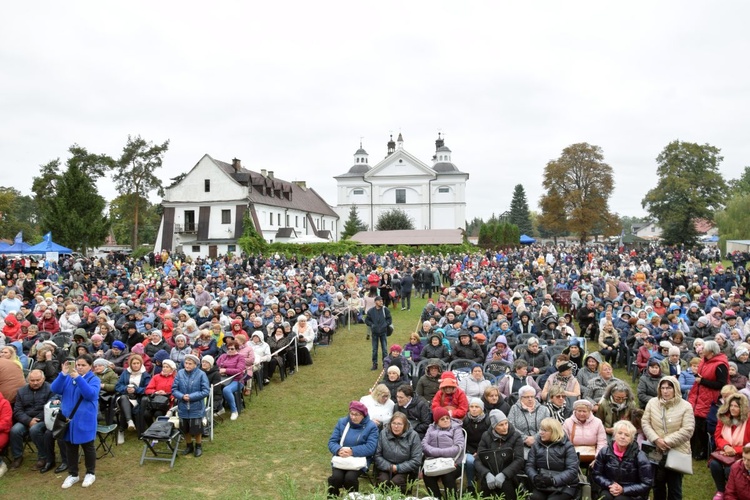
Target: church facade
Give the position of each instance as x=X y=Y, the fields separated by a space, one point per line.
x=433 y=196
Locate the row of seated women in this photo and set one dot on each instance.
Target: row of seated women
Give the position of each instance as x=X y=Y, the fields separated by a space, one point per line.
x=501 y=462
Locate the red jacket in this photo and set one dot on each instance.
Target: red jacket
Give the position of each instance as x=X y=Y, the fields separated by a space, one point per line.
x=457 y=404
x=160 y=382
x=702 y=395
x=721 y=442
x=50 y=325
x=738 y=485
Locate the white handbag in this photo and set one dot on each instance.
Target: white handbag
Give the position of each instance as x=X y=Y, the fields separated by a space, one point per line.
x=348 y=463
x=438 y=466
x=50 y=412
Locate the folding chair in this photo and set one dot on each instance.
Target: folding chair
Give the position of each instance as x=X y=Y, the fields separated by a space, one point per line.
x=107 y=436
x=498 y=367
x=165 y=433
x=461 y=365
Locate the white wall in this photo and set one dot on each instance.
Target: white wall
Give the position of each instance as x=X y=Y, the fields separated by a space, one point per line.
x=192 y=187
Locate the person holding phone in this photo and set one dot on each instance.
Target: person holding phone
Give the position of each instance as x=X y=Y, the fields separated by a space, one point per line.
x=79 y=386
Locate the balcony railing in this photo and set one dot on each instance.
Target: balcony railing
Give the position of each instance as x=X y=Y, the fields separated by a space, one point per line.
x=185 y=228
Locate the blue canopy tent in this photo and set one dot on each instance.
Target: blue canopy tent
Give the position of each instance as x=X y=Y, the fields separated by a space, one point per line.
x=47 y=245
x=527 y=240
x=3 y=245
x=18 y=245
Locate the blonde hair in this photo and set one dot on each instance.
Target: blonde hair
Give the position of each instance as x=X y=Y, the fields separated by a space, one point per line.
x=554 y=427
x=626 y=425
x=604 y=364
x=380 y=391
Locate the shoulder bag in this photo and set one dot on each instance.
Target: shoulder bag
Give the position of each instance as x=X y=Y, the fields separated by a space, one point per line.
x=61 y=423
x=586 y=453
x=439 y=465
x=348 y=463
x=676 y=460
x=723 y=459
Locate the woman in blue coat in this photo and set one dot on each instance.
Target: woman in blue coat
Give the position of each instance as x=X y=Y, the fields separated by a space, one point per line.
x=77 y=382
x=354 y=436
x=190 y=388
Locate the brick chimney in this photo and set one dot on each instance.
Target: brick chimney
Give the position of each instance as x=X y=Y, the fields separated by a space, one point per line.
x=236 y=164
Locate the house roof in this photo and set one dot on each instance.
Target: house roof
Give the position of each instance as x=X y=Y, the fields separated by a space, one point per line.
x=445 y=167
x=304 y=199
x=410 y=237
x=703 y=225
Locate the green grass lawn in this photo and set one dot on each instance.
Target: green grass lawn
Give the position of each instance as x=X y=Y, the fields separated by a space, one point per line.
x=277 y=449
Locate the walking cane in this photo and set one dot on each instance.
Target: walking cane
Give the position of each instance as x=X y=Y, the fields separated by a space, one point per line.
x=380 y=375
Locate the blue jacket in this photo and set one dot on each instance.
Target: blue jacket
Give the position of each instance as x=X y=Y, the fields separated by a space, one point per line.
x=82 y=428
x=124 y=380
x=686 y=379
x=194 y=383
x=362 y=438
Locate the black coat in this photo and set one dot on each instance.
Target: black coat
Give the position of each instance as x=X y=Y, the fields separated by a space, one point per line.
x=418 y=414
x=471 y=351
x=475 y=429
x=29 y=404
x=378 y=320
x=558 y=460
x=510 y=448
x=634 y=472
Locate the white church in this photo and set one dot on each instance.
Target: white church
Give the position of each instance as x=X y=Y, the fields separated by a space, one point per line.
x=434 y=197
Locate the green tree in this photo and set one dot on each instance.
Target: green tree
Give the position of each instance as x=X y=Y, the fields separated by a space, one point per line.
x=734 y=221
x=122 y=220
x=392 y=220
x=18 y=213
x=44 y=186
x=472 y=227
x=578 y=185
x=519 y=211
x=135 y=176
x=76 y=212
x=176 y=180
x=741 y=184
x=690 y=186
x=353 y=224
x=552 y=221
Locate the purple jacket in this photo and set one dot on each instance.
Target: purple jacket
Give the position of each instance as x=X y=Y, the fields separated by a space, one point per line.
x=448 y=442
x=234 y=365
x=415 y=350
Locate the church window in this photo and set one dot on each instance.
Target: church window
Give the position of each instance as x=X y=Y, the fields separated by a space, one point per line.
x=444 y=190
x=357 y=192
x=401 y=196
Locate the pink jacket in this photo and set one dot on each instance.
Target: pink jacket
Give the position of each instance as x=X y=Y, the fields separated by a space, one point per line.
x=588 y=433
x=248 y=354
x=234 y=365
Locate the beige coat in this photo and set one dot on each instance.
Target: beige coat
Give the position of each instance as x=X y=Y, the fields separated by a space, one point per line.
x=678 y=416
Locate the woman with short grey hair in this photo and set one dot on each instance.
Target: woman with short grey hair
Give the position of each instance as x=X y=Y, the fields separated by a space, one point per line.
x=527 y=414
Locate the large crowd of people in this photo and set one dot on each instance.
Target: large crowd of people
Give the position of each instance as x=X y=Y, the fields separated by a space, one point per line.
x=158 y=334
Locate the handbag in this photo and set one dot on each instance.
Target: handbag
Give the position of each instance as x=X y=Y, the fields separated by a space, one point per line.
x=348 y=463
x=438 y=466
x=158 y=402
x=61 y=423
x=723 y=459
x=679 y=462
x=50 y=412
x=676 y=460
x=389 y=331
x=586 y=453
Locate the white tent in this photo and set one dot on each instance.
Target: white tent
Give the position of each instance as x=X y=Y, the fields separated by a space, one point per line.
x=307 y=238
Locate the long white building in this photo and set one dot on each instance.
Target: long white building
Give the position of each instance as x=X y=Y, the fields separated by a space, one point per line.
x=204 y=212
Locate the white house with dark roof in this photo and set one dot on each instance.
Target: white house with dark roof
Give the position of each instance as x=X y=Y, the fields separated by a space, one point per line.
x=434 y=196
x=204 y=212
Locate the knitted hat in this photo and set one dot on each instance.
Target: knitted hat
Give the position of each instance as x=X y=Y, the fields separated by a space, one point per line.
x=583 y=402
x=101 y=362
x=210 y=359
x=478 y=402
x=664 y=344
x=394 y=369
x=118 y=345
x=497 y=417
x=169 y=363
x=194 y=358
x=439 y=413
x=674 y=350
x=357 y=406
x=161 y=355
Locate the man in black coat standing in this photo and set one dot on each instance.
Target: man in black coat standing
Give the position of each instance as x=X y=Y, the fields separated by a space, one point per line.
x=407 y=285
x=379 y=320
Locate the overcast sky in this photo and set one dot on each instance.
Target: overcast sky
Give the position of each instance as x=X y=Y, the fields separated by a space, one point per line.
x=292 y=86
